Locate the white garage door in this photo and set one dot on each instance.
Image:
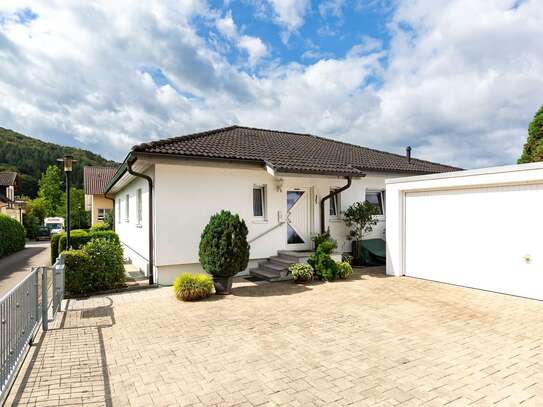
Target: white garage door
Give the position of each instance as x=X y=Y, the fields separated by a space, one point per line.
x=488 y=238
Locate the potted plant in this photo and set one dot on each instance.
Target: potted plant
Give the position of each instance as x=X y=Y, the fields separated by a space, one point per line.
x=224 y=250
x=360 y=219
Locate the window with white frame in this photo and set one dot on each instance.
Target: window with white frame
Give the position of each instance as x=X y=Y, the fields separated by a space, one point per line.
x=259 y=201
x=377 y=199
x=127 y=208
x=119 y=210
x=335 y=205
x=139 y=208
x=101 y=215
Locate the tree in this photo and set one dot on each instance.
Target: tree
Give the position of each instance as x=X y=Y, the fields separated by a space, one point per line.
x=78 y=215
x=51 y=190
x=35 y=212
x=533 y=149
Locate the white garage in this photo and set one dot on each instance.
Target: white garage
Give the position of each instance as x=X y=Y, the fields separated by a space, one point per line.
x=477 y=228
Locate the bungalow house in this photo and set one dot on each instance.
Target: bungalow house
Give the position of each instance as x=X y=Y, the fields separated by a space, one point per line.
x=286 y=186
x=96 y=202
x=8 y=204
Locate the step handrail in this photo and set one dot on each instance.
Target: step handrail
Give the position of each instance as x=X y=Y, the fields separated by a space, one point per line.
x=266 y=232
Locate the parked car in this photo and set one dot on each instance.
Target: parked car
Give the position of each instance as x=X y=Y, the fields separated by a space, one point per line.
x=43 y=233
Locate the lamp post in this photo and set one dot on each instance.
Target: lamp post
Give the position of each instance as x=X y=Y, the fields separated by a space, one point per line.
x=68 y=161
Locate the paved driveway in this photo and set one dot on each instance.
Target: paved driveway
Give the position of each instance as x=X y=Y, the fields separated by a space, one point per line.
x=368 y=341
x=15 y=267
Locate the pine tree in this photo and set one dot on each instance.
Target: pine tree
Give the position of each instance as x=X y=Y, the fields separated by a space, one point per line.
x=533 y=149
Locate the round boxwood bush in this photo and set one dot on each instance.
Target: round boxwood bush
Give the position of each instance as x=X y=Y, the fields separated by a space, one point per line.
x=107 y=262
x=302 y=272
x=12 y=235
x=224 y=250
x=191 y=287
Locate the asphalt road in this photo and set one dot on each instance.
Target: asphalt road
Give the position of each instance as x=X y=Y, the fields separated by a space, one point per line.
x=14 y=268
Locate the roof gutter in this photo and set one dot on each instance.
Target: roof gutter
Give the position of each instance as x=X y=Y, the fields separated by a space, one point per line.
x=129 y=163
x=330 y=195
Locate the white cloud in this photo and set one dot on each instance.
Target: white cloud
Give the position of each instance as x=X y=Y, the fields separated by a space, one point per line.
x=331 y=7
x=290 y=13
x=461 y=80
x=253 y=46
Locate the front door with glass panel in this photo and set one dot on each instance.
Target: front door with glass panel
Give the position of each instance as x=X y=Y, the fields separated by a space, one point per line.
x=298 y=219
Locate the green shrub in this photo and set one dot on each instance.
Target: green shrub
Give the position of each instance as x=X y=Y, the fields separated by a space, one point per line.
x=224 y=250
x=107 y=262
x=323 y=264
x=79 y=272
x=347 y=257
x=100 y=227
x=78 y=239
x=97 y=266
x=322 y=237
x=344 y=270
x=302 y=272
x=12 y=235
x=191 y=287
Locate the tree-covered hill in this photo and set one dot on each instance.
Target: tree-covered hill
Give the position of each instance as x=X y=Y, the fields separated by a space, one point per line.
x=30 y=157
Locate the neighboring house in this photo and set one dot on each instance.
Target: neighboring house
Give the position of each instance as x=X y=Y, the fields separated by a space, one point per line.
x=8 y=204
x=279 y=182
x=94 y=181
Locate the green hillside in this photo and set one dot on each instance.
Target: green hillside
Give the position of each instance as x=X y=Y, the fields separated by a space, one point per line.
x=30 y=157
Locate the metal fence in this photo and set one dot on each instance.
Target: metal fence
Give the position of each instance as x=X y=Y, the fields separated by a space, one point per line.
x=22 y=310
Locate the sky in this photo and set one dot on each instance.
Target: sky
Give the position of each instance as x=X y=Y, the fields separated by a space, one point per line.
x=458 y=80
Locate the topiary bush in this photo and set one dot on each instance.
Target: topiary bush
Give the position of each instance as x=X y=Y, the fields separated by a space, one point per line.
x=12 y=236
x=344 y=270
x=100 y=227
x=224 y=250
x=192 y=287
x=302 y=272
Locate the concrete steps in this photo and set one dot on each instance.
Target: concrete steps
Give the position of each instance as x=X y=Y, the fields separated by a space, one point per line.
x=275 y=268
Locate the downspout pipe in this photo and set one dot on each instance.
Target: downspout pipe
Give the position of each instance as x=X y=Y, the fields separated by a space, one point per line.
x=330 y=195
x=149 y=180
x=112 y=211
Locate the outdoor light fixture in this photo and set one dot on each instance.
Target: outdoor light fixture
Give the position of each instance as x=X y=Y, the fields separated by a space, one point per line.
x=278 y=184
x=68 y=161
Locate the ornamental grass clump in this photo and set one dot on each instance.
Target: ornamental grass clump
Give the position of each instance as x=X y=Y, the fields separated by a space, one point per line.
x=344 y=270
x=192 y=287
x=302 y=272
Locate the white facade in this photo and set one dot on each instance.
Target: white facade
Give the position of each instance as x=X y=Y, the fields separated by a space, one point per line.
x=187 y=193
x=479 y=229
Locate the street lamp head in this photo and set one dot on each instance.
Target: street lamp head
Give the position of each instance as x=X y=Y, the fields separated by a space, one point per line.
x=68 y=161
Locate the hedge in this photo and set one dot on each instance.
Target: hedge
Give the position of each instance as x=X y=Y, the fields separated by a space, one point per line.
x=97 y=266
x=12 y=235
x=78 y=238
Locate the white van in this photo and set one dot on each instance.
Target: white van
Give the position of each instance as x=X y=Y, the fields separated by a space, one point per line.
x=55 y=225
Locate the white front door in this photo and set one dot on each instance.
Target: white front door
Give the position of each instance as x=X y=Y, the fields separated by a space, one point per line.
x=298 y=219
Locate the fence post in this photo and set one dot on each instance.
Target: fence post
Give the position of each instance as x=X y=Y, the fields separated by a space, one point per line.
x=44 y=302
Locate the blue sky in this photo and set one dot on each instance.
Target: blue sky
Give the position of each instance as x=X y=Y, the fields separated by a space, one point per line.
x=459 y=80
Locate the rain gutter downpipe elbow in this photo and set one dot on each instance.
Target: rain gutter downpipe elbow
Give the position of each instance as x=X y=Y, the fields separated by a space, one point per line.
x=330 y=195
x=149 y=180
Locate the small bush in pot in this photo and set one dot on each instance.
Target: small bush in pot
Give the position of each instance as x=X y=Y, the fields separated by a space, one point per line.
x=360 y=218
x=224 y=250
x=344 y=270
x=302 y=272
x=192 y=287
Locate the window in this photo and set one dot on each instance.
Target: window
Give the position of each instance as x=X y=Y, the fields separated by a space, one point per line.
x=101 y=214
x=376 y=198
x=259 y=201
x=119 y=211
x=335 y=204
x=139 y=209
x=127 y=208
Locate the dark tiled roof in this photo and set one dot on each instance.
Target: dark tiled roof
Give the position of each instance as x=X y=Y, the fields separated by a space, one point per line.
x=95 y=179
x=289 y=152
x=7 y=178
